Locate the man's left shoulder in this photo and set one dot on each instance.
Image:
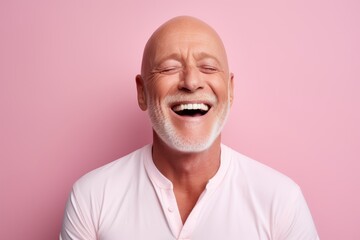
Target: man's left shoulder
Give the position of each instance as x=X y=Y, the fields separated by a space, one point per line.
x=256 y=174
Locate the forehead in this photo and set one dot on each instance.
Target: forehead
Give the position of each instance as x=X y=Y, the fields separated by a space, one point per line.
x=187 y=42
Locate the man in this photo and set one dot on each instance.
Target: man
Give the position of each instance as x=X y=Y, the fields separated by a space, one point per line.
x=186 y=185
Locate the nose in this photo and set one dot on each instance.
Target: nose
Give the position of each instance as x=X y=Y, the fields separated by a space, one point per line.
x=191 y=80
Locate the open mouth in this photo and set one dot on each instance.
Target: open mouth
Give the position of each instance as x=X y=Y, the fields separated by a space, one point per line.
x=191 y=109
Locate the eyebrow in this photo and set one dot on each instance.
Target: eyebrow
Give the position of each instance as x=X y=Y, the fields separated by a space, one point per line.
x=173 y=56
x=204 y=55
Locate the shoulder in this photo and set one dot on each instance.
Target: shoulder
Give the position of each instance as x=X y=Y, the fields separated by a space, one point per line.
x=272 y=197
x=257 y=177
x=120 y=171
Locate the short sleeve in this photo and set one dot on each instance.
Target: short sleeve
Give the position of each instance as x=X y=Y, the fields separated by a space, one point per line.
x=77 y=222
x=296 y=222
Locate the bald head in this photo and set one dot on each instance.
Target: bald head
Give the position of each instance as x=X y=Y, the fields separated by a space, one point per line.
x=179 y=35
x=185 y=68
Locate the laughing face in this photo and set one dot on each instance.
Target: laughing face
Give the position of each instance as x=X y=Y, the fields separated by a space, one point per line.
x=185 y=84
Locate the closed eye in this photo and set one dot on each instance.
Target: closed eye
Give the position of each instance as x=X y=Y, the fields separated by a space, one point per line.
x=169 y=70
x=208 y=69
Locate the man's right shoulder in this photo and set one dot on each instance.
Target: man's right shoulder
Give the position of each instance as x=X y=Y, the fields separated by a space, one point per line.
x=121 y=170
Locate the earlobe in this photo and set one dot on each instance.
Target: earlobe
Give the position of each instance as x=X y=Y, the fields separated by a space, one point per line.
x=141 y=95
x=231 y=88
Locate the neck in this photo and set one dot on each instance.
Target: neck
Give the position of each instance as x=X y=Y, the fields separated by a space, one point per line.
x=188 y=171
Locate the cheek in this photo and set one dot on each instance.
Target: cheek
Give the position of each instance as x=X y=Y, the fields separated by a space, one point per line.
x=220 y=87
x=156 y=94
x=162 y=86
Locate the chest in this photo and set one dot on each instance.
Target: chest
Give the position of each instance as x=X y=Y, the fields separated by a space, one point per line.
x=154 y=214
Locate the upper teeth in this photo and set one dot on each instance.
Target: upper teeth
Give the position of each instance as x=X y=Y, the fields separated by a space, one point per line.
x=191 y=106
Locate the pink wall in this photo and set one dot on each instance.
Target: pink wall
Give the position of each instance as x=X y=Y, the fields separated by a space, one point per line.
x=68 y=103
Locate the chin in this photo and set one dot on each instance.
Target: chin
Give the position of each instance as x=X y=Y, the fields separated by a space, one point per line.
x=191 y=148
x=186 y=144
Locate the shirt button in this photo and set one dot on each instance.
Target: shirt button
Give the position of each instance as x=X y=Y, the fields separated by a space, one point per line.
x=170 y=209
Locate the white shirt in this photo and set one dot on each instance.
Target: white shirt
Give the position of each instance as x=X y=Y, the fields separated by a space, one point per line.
x=130 y=199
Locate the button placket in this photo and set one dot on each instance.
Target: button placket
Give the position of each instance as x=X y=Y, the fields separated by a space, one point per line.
x=170 y=210
x=191 y=221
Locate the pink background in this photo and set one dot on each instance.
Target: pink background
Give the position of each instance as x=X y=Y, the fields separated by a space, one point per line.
x=68 y=103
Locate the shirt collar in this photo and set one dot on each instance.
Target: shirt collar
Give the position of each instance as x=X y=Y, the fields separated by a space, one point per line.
x=162 y=182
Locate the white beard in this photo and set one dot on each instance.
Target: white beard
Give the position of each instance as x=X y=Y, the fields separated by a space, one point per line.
x=169 y=135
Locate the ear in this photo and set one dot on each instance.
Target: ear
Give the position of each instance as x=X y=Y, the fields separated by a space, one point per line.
x=141 y=94
x=231 y=88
